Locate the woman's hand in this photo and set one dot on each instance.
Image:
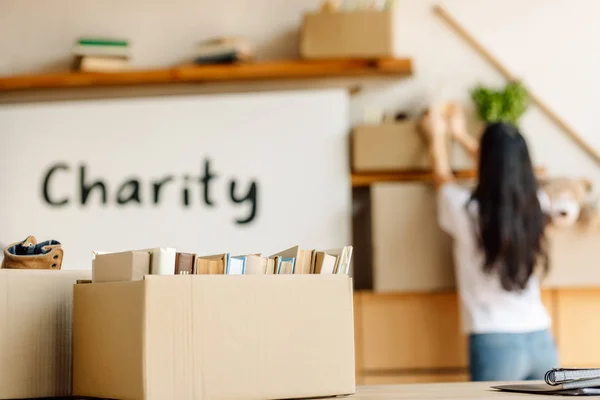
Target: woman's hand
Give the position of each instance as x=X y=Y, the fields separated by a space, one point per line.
x=457 y=122
x=433 y=125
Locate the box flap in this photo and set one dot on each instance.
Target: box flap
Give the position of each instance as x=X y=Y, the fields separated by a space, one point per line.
x=118 y=267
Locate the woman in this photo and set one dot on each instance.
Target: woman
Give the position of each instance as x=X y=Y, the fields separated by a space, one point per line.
x=499 y=249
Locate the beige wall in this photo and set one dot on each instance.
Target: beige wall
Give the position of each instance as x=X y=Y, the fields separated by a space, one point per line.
x=550 y=44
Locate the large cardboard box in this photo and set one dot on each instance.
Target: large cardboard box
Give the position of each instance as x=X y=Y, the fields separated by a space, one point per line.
x=411 y=253
x=215 y=337
x=574 y=254
x=36 y=309
x=348 y=34
x=390 y=147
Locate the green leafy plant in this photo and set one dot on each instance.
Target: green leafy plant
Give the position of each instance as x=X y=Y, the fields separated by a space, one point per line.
x=507 y=105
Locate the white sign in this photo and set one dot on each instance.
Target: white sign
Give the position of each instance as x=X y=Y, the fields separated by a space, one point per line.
x=204 y=174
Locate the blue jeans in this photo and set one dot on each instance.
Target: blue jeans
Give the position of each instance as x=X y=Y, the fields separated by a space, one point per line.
x=512 y=356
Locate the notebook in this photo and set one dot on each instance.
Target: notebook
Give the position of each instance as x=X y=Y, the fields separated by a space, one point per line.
x=560 y=381
x=540 y=388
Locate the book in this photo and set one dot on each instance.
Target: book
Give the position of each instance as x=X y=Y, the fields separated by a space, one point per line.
x=184 y=263
x=561 y=381
x=223 y=49
x=102 y=51
x=236 y=266
x=270 y=266
x=541 y=388
x=100 y=64
x=325 y=263
x=343 y=257
x=256 y=265
x=302 y=259
x=286 y=266
x=162 y=260
x=562 y=375
x=97 y=41
x=211 y=265
x=90 y=46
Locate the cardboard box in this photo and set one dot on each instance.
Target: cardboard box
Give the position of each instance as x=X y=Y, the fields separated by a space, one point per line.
x=215 y=337
x=348 y=34
x=390 y=147
x=574 y=255
x=36 y=309
x=411 y=253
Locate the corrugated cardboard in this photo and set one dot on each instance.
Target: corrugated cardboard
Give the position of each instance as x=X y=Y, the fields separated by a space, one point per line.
x=389 y=147
x=125 y=266
x=410 y=251
x=35 y=332
x=574 y=255
x=348 y=34
x=215 y=337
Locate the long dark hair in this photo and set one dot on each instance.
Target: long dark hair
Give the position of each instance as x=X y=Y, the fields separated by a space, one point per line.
x=511 y=221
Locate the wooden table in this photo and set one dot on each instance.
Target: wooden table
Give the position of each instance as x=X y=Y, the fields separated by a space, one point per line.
x=463 y=390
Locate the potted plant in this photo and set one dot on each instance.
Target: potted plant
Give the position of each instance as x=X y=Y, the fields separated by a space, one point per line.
x=507 y=105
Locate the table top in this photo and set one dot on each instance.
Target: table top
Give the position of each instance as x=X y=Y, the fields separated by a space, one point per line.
x=463 y=390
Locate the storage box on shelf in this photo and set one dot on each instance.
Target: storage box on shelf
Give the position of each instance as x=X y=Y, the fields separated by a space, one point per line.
x=389 y=147
x=574 y=254
x=366 y=33
x=410 y=252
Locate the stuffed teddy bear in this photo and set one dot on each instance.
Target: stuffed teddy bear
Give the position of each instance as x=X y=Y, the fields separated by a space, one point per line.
x=570 y=202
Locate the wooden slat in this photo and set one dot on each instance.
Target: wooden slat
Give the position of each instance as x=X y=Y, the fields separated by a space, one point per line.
x=367 y=179
x=290 y=70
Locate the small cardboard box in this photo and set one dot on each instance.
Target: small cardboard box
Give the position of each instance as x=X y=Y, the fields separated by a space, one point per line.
x=348 y=34
x=411 y=253
x=36 y=309
x=389 y=147
x=214 y=337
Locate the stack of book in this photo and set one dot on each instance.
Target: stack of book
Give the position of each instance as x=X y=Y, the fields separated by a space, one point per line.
x=223 y=50
x=101 y=55
x=168 y=261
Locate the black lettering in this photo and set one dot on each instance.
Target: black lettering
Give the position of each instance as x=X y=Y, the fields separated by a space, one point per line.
x=185 y=194
x=250 y=196
x=86 y=189
x=134 y=184
x=157 y=185
x=46 y=186
x=205 y=180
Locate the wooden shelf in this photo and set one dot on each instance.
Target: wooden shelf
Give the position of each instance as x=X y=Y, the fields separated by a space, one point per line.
x=367 y=179
x=275 y=70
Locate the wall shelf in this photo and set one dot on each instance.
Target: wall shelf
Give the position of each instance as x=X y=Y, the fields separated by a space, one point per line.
x=367 y=179
x=272 y=70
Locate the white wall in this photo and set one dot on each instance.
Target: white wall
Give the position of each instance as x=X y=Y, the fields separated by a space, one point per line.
x=551 y=44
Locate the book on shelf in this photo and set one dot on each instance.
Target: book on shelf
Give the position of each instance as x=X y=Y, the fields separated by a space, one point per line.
x=223 y=50
x=101 y=55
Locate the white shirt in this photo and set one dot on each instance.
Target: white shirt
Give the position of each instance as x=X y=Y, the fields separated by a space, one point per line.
x=486 y=307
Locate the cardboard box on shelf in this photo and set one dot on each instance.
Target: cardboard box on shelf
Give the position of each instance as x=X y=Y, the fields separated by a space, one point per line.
x=35 y=332
x=390 y=146
x=410 y=251
x=573 y=254
x=364 y=33
x=215 y=336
